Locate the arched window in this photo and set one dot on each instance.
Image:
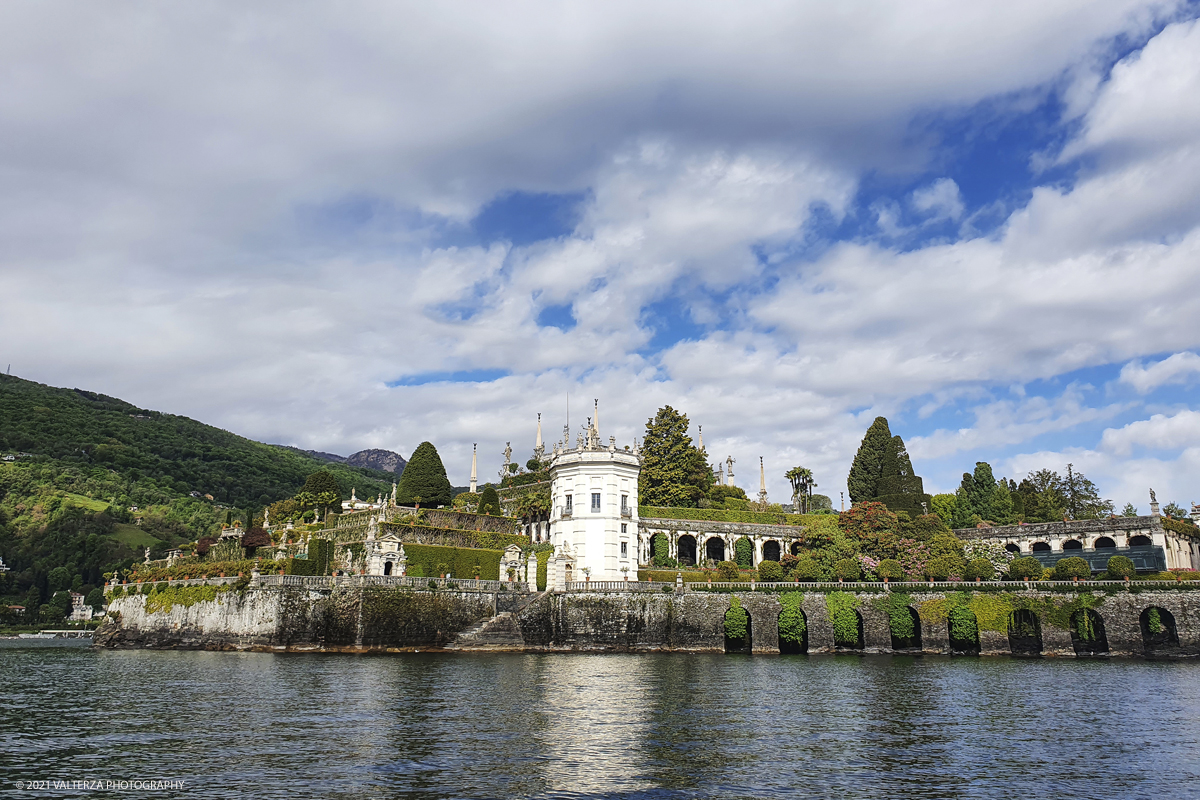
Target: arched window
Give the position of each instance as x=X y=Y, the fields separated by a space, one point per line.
x=1012 y=548
x=1072 y=544
x=771 y=551
x=387 y=568
x=714 y=548
x=1104 y=543
x=1041 y=547
x=686 y=547
x=1139 y=541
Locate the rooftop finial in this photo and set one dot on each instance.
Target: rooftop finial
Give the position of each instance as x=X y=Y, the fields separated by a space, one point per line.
x=474 y=459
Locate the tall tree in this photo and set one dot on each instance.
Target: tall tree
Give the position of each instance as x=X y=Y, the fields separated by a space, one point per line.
x=424 y=479
x=867 y=467
x=321 y=491
x=802 y=482
x=980 y=491
x=675 y=474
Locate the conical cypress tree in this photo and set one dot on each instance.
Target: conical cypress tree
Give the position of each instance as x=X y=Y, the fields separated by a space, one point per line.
x=424 y=479
x=489 y=501
x=867 y=469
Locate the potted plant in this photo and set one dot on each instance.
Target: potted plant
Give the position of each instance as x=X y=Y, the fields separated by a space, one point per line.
x=587 y=574
x=625 y=573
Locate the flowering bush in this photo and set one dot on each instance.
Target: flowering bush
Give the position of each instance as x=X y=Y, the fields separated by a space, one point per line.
x=870 y=566
x=913 y=556
x=993 y=551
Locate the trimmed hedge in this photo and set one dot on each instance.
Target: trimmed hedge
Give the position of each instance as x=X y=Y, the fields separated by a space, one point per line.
x=770 y=571
x=481 y=540
x=1025 y=567
x=424 y=561
x=1072 y=567
x=1120 y=567
x=728 y=515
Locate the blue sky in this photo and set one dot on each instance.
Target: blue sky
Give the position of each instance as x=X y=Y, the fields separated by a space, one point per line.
x=980 y=221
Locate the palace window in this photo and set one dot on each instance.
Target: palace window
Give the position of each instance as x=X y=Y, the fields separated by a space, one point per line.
x=595 y=502
x=624 y=528
x=568 y=506
x=624 y=502
x=624 y=550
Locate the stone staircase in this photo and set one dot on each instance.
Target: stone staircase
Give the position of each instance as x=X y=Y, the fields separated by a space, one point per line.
x=501 y=632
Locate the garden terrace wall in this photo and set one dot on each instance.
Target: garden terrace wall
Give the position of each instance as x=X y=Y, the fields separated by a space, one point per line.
x=310 y=614
x=454 y=537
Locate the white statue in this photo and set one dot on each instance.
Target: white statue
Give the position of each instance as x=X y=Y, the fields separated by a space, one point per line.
x=507 y=453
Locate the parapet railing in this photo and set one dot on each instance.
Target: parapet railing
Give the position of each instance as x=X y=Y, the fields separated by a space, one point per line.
x=876 y=586
x=617 y=586
x=174 y=582
x=333 y=581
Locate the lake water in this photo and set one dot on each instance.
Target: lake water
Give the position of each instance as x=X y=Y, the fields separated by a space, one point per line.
x=633 y=726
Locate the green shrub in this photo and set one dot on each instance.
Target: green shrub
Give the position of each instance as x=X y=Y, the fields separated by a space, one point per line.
x=727 y=571
x=963 y=625
x=979 y=568
x=808 y=570
x=736 y=619
x=848 y=569
x=489 y=502
x=900 y=620
x=941 y=568
x=791 y=618
x=1073 y=567
x=743 y=550
x=458 y=562
x=890 y=568
x=543 y=558
x=770 y=571
x=1154 y=622
x=843 y=617
x=1120 y=567
x=1025 y=567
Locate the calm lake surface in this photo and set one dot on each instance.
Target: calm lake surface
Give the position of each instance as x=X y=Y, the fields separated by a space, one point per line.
x=653 y=726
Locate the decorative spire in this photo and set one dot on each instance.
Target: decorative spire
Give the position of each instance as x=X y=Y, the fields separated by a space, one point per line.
x=474 y=464
x=762 y=483
x=701 y=429
x=539 y=449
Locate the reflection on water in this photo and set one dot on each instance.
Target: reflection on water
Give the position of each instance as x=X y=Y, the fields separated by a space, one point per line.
x=506 y=725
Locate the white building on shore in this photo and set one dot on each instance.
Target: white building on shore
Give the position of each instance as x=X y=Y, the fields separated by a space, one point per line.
x=594 y=513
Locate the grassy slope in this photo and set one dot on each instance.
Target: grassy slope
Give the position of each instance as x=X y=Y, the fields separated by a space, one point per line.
x=82 y=428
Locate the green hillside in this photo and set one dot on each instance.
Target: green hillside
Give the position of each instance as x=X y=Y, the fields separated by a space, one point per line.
x=180 y=455
x=82 y=461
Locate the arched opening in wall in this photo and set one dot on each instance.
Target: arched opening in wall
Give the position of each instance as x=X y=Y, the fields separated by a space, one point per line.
x=686 y=547
x=387 y=568
x=714 y=549
x=1012 y=548
x=910 y=629
x=570 y=576
x=1087 y=633
x=1072 y=544
x=1158 y=631
x=1024 y=633
x=1139 y=541
x=1041 y=547
x=771 y=551
x=1105 y=543
x=738 y=634
x=847 y=627
x=793 y=627
x=963 y=629
x=795 y=548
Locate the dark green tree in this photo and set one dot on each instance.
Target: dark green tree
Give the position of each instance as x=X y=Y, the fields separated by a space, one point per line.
x=675 y=473
x=424 y=479
x=95 y=598
x=867 y=467
x=489 y=502
x=322 y=492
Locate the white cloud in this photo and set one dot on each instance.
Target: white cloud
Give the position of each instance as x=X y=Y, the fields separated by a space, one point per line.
x=1173 y=369
x=178 y=225
x=1160 y=432
x=941 y=199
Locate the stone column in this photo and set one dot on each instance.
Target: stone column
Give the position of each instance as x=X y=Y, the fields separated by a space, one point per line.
x=531 y=572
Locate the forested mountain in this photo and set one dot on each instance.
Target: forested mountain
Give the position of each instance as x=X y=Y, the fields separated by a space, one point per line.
x=384 y=460
x=178 y=454
x=83 y=461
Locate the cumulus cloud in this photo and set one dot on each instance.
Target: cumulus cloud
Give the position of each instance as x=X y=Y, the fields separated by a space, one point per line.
x=261 y=220
x=940 y=199
x=1173 y=369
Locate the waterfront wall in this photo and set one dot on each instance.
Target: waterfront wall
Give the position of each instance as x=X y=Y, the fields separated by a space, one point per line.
x=323 y=614
x=296 y=618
